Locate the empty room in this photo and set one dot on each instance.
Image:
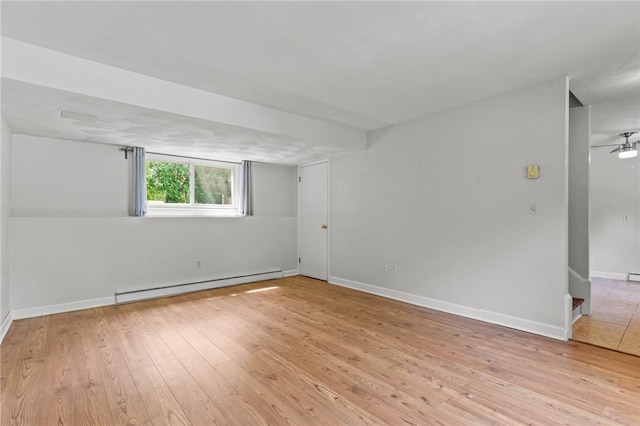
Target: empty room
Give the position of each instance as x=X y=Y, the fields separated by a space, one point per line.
x=330 y=212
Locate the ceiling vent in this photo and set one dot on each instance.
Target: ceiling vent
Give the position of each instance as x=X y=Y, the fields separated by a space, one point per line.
x=78 y=116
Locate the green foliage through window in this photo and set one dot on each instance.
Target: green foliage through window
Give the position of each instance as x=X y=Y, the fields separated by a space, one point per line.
x=213 y=185
x=169 y=182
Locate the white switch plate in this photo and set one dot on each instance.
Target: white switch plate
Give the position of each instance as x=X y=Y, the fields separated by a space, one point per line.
x=533 y=208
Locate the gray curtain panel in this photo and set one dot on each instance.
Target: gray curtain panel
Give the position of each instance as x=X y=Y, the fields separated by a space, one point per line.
x=138 y=193
x=246 y=190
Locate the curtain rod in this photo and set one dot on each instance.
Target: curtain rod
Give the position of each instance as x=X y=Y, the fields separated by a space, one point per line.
x=129 y=149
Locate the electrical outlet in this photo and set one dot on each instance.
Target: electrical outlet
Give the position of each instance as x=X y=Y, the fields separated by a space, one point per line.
x=385 y=268
x=198 y=264
x=626 y=217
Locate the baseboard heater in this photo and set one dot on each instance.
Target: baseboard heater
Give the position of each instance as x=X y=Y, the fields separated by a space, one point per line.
x=634 y=276
x=175 y=289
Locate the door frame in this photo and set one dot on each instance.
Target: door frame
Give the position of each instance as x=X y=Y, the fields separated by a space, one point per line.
x=328 y=162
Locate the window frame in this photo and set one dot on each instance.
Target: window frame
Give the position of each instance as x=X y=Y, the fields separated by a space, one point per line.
x=193 y=209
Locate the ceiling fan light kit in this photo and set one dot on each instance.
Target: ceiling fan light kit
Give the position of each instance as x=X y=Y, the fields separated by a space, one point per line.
x=626 y=149
x=627 y=152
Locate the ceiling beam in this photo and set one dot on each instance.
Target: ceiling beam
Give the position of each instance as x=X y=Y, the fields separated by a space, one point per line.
x=44 y=67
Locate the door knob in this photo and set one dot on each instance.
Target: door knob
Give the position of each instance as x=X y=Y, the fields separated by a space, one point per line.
x=324 y=226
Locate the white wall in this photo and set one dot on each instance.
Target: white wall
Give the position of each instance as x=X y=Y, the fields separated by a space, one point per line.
x=5 y=211
x=579 y=143
x=53 y=178
x=579 y=137
x=77 y=244
x=615 y=190
x=275 y=190
x=445 y=197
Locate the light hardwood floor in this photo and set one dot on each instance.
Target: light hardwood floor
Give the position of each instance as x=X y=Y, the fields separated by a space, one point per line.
x=615 y=316
x=300 y=351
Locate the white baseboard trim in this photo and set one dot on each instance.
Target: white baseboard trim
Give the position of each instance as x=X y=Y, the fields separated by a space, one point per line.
x=610 y=275
x=568 y=317
x=291 y=272
x=522 y=324
x=4 y=327
x=580 y=287
x=576 y=317
x=577 y=275
x=61 y=307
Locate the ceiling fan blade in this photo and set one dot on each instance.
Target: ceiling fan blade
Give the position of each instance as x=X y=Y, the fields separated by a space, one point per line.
x=615 y=150
x=608 y=144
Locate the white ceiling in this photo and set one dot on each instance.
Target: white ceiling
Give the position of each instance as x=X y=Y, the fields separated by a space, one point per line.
x=613 y=91
x=360 y=64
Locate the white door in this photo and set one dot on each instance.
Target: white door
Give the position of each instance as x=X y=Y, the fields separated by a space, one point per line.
x=313 y=195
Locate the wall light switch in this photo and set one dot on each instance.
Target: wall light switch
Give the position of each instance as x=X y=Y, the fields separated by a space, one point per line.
x=533 y=171
x=533 y=208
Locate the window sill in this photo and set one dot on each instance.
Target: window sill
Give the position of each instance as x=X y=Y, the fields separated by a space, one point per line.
x=182 y=213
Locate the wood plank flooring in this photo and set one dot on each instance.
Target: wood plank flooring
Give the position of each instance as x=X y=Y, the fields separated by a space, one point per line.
x=301 y=351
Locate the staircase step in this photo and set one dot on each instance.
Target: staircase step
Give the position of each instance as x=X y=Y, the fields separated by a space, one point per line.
x=577 y=302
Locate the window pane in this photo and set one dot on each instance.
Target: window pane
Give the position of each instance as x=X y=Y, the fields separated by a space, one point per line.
x=212 y=185
x=167 y=182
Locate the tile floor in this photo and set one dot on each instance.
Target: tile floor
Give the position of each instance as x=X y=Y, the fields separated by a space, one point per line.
x=615 y=316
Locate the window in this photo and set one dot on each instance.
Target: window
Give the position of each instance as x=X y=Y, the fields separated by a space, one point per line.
x=176 y=185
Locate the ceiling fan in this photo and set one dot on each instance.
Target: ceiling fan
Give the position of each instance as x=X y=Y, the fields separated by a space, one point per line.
x=626 y=149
